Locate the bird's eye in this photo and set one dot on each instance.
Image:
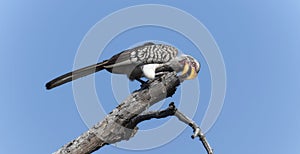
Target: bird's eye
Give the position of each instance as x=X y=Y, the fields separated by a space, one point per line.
x=194 y=64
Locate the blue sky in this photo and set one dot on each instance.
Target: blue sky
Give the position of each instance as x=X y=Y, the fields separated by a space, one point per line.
x=259 y=41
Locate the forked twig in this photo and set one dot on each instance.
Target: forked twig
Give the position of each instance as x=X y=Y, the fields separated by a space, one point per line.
x=173 y=111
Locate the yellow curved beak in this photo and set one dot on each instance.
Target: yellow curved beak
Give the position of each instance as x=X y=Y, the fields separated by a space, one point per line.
x=192 y=73
x=185 y=69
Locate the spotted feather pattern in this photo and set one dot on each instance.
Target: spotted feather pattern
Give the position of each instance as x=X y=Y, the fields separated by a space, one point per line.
x=154 y=53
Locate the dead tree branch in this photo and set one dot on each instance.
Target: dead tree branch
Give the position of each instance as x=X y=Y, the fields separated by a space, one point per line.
x=121 y=123
x=196 y=129
x=114 y=127
x=173 y=111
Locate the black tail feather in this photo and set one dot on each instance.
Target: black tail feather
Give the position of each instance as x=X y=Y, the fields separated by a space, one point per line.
x=75 y=75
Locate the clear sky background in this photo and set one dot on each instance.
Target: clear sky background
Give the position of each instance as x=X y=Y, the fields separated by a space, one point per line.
x=259 y=41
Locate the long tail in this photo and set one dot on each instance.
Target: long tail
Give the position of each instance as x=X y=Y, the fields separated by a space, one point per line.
x=75 y=75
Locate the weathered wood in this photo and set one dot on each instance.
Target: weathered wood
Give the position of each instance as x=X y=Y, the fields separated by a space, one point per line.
x=173 y=111
x=114 y=127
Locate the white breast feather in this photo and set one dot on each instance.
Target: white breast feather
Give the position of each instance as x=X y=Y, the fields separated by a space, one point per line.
x=149 y=70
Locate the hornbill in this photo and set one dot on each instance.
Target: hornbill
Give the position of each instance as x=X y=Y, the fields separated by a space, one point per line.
x=147 y=60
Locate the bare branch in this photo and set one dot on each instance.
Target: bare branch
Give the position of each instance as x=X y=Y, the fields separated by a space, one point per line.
x=196 y=129
x=173 y=111
x=114 y=127
x=152 y=114
x=121 y=123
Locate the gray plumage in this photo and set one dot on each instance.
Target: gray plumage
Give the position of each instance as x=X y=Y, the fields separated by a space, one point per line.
x=153 y=53
x=129 y=62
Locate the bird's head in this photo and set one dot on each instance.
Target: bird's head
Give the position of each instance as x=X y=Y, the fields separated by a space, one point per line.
x=191 y=67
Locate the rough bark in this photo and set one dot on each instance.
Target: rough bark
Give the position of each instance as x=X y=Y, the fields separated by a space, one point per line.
x=115 y=127
x=173 y=111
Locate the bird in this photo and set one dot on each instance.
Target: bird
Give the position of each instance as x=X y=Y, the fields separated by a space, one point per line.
x=147 y=60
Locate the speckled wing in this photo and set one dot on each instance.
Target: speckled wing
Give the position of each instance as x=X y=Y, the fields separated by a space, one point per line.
x=148 y=53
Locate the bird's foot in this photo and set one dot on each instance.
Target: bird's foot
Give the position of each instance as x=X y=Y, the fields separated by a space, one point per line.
x=141 y=81
x=144 y=84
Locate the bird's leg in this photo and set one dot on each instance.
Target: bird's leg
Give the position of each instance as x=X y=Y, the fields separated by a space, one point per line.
x=140 y=80
x=143 y=83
